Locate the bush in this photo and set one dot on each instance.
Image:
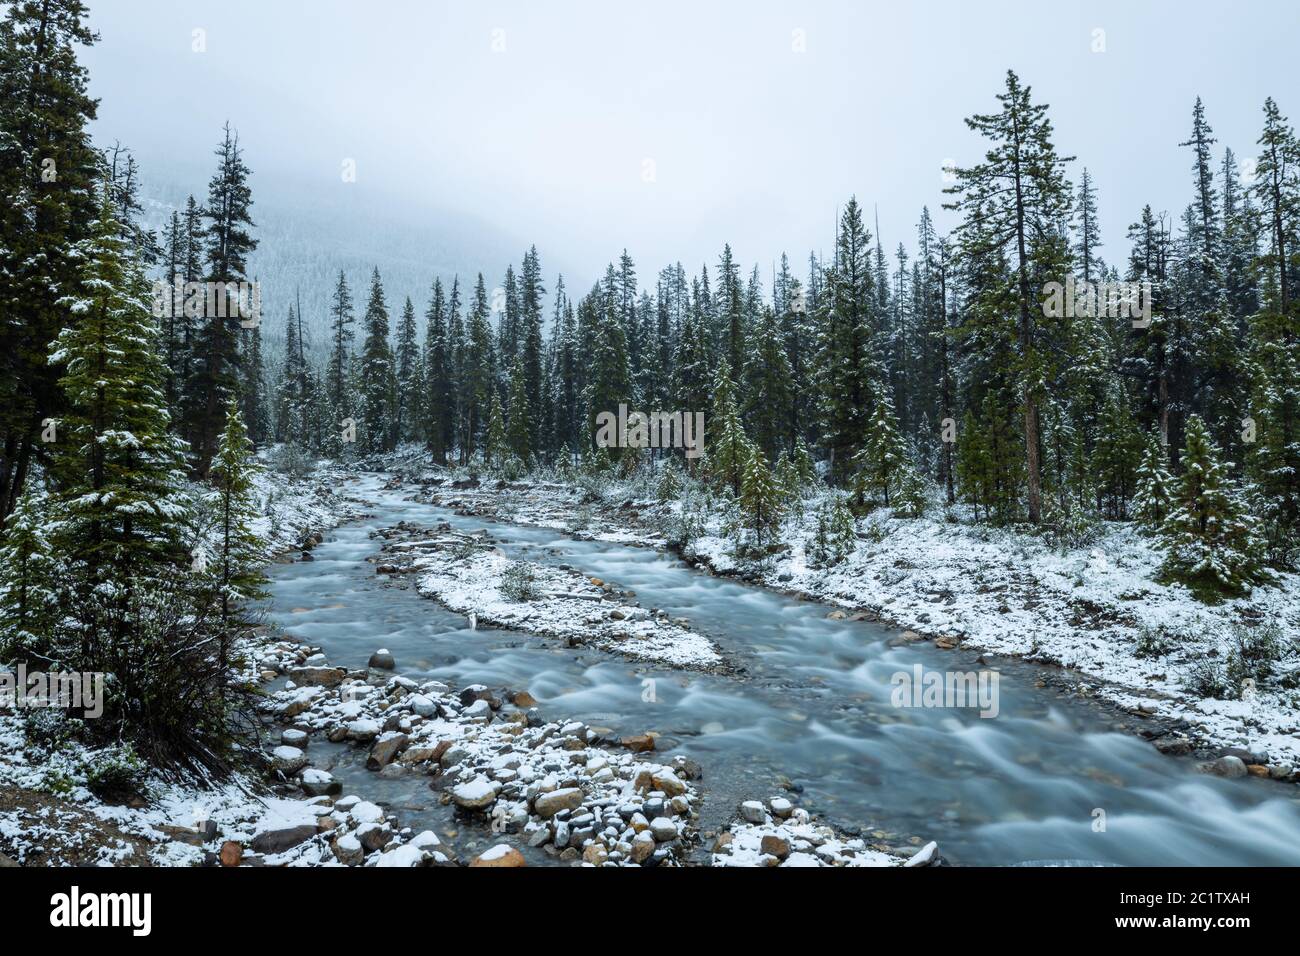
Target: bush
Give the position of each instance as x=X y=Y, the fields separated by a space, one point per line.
x=834 y=535
x=1153 y=642
x=290 y=459
x=1254 y=654
x=115 y=773
x=519 y=583
x=1208 y=678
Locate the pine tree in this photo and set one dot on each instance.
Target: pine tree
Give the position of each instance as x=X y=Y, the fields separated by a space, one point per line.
x=769 y=386
x=1153 y=497
x=883 y=460
x=338 y=393
x=215 y=374
x=495 y=448
x=848 y=354
x=1015 y=201
x=377 y=376
x=1209 y=543
x=519 y=433
x=410 y=378
x=834 y=533
x=729 y=449
x=45 y=108
x=238 y=551
x=30 y=573
x=760 y=501
x=439 y=402
x=121 y=505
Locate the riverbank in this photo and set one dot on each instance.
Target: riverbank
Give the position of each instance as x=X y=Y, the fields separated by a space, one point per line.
x=1098 y=613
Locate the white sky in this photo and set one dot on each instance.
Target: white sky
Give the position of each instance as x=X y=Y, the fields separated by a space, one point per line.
x=752 y=142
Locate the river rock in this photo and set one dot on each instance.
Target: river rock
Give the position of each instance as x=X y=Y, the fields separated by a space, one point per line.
x=422 y=706
x=668 y=782
x=639 y=743
x=752 y=812
x=318 y=676
x=501 y=855
x=549 y=804
x=288 y=760
x=319 y=783
x=477 y=794
x=348 y=850
x=374 y=836
x=277 y=841
x=643 y=845
x=1229 y=766
x=663 y=829
x=776 y=846
x=231 y=853
x=386 y=749
x=292 y=737
x=363 y=729
x=382 y=660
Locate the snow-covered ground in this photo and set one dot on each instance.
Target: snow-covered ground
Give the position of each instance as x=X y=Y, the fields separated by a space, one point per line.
x=1098 y=611
x=469 y=575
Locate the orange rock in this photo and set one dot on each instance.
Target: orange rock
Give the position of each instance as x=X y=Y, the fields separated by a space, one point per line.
x=500 y=855
x=231 y=853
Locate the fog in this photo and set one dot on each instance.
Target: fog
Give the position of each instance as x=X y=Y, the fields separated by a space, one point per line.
x=670 y=128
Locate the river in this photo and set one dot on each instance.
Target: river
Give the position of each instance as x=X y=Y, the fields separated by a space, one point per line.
x=1047 y=779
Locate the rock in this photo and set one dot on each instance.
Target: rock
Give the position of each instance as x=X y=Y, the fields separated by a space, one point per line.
x=277 y=841
x=667 y=781
x=752 y=812
x=386 y=749
x=318 y=676
x=663 y=829
x=477 y=794
x=473 y=693
x=422 y=706
x=501 y=855
x=723 y=843
x=928 y=855
x=319 y=783
x=288 y=760
x=837 y=615
x=382 y=660
x=643 y=845
x=1257 y=770
x=374 y=836
x=1281 y=771
x=781 y=807
x=364 y=812
x=776 y=846
x=363 y=729
x=423 y=754
x=231 y=853
x=687 y=768
x=1229 y=766
x=548 y=805
x=639 y=743
x=594 y=854
x=348 y=850
x=523 y=699
x=292 y=737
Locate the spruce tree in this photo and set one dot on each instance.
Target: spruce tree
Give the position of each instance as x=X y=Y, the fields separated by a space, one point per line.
x=1153 y=497
x=410 y=378
x=760 y=501
x=377 y=376
x=1209 y=542
x=30 y=588
x=729 y=450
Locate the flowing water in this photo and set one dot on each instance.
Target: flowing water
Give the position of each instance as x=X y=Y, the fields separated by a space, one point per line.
x=1046 y=779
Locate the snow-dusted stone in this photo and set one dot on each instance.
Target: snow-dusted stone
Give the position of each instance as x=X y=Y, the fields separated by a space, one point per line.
x=407 y=855
x=363 y=728
x=548 y=805
x=277 y=841
x=422 y=706
x=480 y=708
x=474 y=795
x=382 y=660
x=668 y=782
x=292 y=737
x=374 y=836
x=346 y=804
x=925 y=856
x=348 y=850
x=663 y=829
x=386 y=749
x=1228 y=766
x=316 y=783
x=288 y=760
x=365 y=812
x=501 y=855
x=752 y=811
x=781 y=807
x=643 y=846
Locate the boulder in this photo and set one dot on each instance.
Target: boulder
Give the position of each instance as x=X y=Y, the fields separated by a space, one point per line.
x=501 y=855
x=277 y=841
x=776 y=846
x=548 y=805
x=382 y=660
x=476 y=794
x=639 y=743
x=318 y=676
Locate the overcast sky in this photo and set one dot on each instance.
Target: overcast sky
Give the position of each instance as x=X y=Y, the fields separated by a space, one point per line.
x=672 y=127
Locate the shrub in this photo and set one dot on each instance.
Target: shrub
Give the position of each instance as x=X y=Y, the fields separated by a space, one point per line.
x=519 y=583
x=1208 y=678
x=114 y=773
